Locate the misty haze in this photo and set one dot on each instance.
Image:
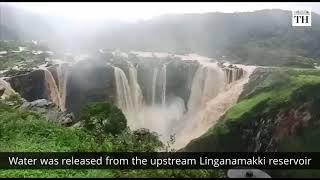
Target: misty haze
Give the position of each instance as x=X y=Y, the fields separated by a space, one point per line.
x=216 y=77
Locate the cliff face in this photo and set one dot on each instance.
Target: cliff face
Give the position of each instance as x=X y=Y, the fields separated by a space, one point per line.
x=274 y=116
x=93 y=80
x=30 y=86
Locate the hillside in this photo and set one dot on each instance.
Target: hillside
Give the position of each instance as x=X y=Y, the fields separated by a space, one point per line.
x=224 y=82
x=263 y=37
x=30 y=131
x=278 y=112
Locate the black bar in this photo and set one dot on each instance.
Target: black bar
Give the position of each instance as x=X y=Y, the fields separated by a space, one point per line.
x=186 y=160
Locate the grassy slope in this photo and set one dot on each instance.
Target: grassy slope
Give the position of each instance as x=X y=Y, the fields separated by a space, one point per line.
x=280 y=91
x=28 y=132
x=24 y=131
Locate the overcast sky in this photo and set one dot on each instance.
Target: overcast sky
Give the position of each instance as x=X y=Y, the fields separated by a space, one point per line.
x=134 y=11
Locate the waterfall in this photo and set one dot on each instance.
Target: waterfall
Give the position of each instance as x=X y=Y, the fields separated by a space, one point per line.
x=52 y=87
x=129 y=95
x=164 y=84
x=62 y=73
x=207 y=83
x=159 y=79
x=199 y=121
x=124 y=98
x=153 y=85
x=213 y=90
x=137 y=97
x=233 y=74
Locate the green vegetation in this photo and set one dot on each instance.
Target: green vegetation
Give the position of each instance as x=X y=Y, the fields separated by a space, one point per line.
x=264 y=37
x=27 y=131
x=103 y=118
x=247 y=105
x=276 y=91
x=277 y=88
x=8 y=46
x=257 y=116
x=24 y=60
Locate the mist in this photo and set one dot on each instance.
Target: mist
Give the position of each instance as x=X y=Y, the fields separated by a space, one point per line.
x=173 y=72
x=206 y=29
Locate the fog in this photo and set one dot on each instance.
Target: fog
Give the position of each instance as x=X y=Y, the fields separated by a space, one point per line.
x=246 y=34
x=130 y=26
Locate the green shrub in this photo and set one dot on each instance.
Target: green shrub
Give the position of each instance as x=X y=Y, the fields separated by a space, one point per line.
x=103 y=117
x=14 y=99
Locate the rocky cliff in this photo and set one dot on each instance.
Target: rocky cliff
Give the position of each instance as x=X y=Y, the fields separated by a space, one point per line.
x=93 y=80
x=30 y=86
x=279 y=113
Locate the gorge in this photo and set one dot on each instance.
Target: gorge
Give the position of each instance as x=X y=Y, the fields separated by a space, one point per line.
x=181 y=96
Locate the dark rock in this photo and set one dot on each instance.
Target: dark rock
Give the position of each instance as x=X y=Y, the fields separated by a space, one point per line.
x=2 y=91
x=39 y=103
x=77 y=125
x=141 y=132
x=50 y=111
x=179 y=76
x=14 y=72
x=67 y=120
x=89 y=81
x=30 y=86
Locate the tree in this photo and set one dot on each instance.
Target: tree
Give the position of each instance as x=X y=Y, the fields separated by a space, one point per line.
x=103 y=118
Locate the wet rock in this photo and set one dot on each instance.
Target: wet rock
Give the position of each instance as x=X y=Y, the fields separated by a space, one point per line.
x=30 y=86
x=141 y=132
x=2 y=89
x=67 y=119
x=14 y=72
x=89 y=81
x=49 y=111
x=77 y=125
x=39 y=103
x=256 y=78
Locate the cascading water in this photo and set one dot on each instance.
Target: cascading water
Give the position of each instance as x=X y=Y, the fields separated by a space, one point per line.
x=52 y=87
x=129 y=96
x=214 y=90
x=214 y=108
x=137 y=97
x=124 y=100
x=157 y=116
x=153 y=85
x=159 y=79
x=164 y=84
x=63 y=73
x=207 y=83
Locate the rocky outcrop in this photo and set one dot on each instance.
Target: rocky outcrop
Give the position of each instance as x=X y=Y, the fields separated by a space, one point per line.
x=256 y=80
x=233 y=73
x=180 y=75
x=30 y=86
x=93 y=80
x=2 y=91
x=269 y=126
x=49 y=111
x=89 y=81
